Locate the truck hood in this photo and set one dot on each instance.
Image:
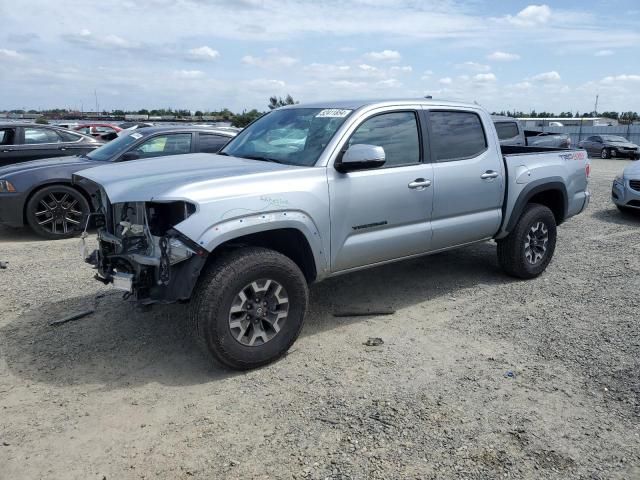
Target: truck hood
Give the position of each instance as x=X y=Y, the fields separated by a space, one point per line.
x=44 y=163
x=173 y=177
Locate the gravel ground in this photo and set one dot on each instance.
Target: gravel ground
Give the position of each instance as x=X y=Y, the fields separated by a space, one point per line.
x=479 y=376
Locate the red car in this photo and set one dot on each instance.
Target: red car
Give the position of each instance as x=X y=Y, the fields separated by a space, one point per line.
x=98 y=129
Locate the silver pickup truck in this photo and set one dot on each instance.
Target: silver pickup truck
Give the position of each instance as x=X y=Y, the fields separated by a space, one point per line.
x=308 y=192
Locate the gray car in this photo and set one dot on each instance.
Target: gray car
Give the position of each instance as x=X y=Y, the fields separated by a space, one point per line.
x=610 y=146
x=39 y=193
x=626 y=189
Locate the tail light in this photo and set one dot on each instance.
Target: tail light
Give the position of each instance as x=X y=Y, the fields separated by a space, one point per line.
x=587 y=169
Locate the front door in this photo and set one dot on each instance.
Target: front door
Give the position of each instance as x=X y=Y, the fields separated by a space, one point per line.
x=468 y=178
x=383 y=213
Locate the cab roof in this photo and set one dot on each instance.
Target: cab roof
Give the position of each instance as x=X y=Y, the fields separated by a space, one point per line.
x=356 y=104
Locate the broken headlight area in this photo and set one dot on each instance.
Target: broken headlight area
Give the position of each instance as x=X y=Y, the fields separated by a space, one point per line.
x=141 y=253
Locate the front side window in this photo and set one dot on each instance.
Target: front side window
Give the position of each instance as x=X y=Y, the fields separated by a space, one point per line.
x=112 y=150
x=456 y=135
x=34 y=136
x=294 y=136
x=396 y=132
x=69 y=137
x=173 y=144
x=506 y=130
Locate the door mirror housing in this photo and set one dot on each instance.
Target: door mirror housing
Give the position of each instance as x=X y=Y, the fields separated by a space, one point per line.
x=361 y=157
x=130 y=156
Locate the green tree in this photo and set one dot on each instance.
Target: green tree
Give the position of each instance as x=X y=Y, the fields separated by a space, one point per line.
x=277 y=102
x=245 y=118
x=42 y=120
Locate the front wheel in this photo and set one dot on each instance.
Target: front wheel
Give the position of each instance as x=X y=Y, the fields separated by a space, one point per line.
x=528 y=249
x=57 y=211
x=604 y=153
x=249 y=307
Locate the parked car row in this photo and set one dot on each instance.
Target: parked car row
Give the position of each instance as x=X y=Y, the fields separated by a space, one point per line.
x=610 y=146
x=40 y=193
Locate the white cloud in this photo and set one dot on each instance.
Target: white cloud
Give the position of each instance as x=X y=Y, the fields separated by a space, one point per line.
x=403 y=69
x=389 y=82
x=523 y=85
x=552 y=76
x=108 y=42
x=347 y=84
x=485 y=77
x=426 y=75
x=620 y=78
x=273 y=60
x=503 y=56
x=384 y=55
x=203 y=53
x=189 y=74
x=604 y=53
x=6 y=54
x=531 y=16
x=474 y=67
x=446 y=81
x=266 y=84
x=367 y=68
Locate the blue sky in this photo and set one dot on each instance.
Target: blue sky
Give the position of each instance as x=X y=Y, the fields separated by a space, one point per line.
x=210 y=54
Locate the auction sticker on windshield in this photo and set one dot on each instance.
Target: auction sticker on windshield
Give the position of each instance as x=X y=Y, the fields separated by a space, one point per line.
x=333 y=113
x=136 y=135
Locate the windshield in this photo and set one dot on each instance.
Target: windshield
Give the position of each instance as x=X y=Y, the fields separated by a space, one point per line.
x=109 y=151
x=295 y=136
x=614 y=138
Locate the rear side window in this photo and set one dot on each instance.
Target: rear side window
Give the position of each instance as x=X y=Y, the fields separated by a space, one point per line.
x=506 y=130
x=396 y=132
x=210 y=143
x=456 y=135
x=34 y=136
x=69 y=137
x=7 y=136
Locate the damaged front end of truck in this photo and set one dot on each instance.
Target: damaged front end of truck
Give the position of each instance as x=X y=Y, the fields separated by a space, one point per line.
x=139 y=250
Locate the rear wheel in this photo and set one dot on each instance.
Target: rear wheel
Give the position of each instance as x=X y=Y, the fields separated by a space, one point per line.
x=57 y=211
x=528 y=249
x=249 y=307
x=604 y=153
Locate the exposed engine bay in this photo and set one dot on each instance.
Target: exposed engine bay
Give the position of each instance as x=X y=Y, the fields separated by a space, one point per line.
x=141 y=253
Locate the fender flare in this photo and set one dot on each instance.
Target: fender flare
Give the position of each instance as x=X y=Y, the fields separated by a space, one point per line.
x=532 y=189
x=226 y=230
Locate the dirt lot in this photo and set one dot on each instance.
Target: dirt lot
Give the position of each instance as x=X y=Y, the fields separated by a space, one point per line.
x=125 y=394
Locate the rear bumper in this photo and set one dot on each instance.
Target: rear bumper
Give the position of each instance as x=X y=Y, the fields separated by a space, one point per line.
x=11 y=209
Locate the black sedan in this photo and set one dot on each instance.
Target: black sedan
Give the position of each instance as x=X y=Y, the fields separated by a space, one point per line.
x=610 y=146
x=40 y=193
x=21 y=142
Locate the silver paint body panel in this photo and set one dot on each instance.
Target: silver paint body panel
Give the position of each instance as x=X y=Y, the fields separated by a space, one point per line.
x=351 y=220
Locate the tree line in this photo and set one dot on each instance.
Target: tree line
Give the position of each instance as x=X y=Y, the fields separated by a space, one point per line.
x=622 y=117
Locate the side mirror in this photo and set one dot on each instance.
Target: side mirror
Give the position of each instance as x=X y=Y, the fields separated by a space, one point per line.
x=361 y=157
x=130 y=156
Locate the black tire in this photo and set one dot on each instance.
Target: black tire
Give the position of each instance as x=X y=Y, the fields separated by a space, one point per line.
x=604 y=153
x=512 y=250
x=216 y=292
x=57 y=211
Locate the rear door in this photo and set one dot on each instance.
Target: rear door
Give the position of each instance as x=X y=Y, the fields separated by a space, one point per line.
x=36 y=142
x=468 y=177
x=382 y=213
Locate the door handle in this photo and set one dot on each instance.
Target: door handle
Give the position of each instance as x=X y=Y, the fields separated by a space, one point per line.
x=6 y=151
x=489 y=174
x=63 y=148
x=419 y=183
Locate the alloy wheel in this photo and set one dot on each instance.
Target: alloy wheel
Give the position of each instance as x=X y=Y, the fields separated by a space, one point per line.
x=59 y=212
x=535 y=244
x=258 y=312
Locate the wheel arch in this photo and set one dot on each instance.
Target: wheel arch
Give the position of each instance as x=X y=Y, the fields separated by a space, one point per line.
x=552 y=195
